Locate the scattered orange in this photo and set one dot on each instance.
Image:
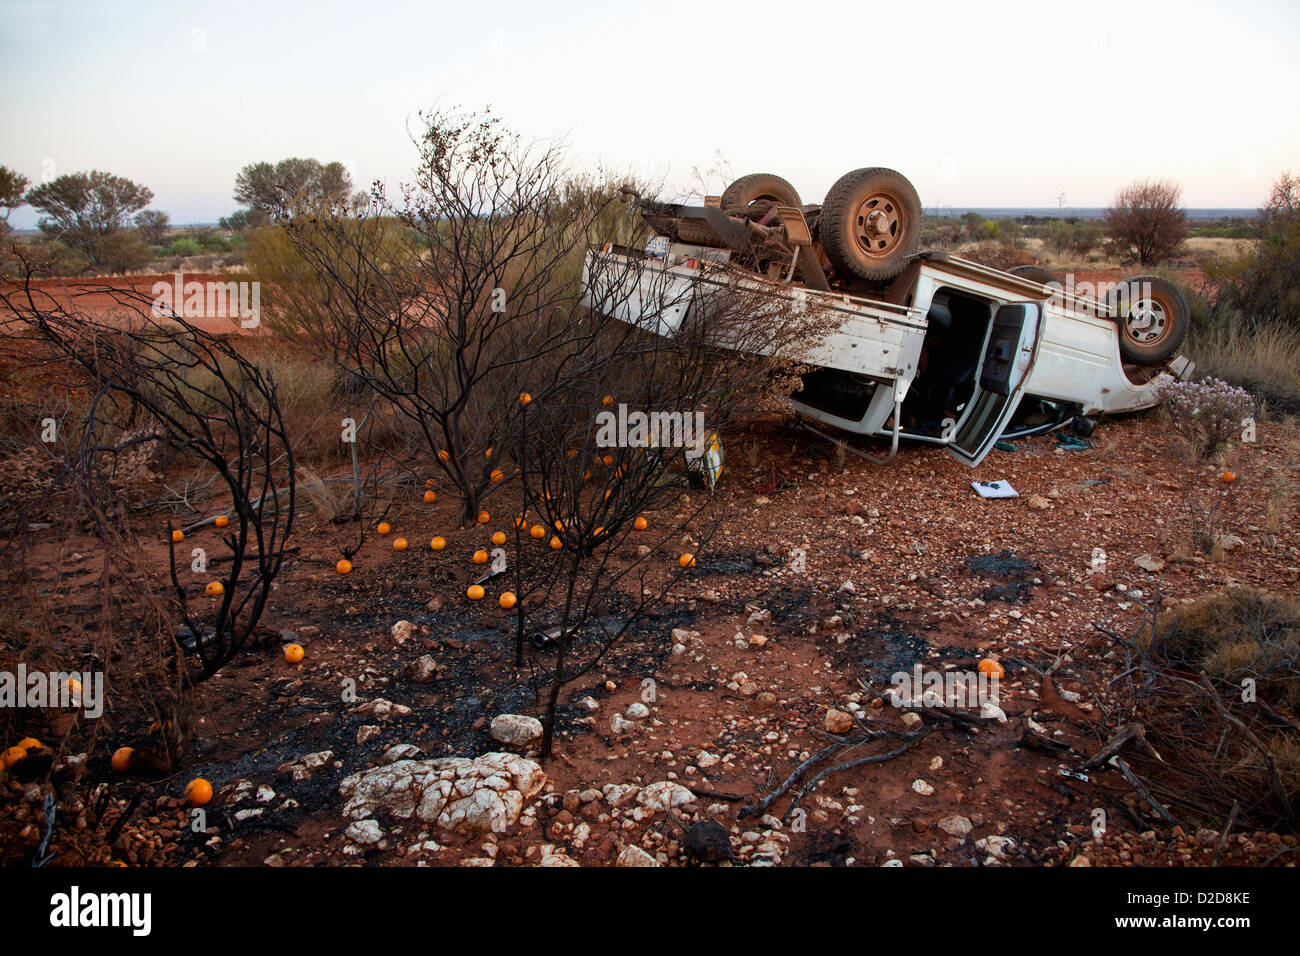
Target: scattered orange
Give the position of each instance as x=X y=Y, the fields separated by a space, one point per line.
x=1228 y=477
x=221 y=521
x=400 y=544
x=178 y=536
x=488 y=453
x=537 y=531
x=499 y=538
x=607 y=400
x=214 y=589
x=992 y=668
x=640 y=524
x=521 y=522
x=438 y=543
x=430 y=497
x=608 y=459
x=483 y=517
x=443 y=456
x=524 y=398
x=507 y=599
x=293 y=653
x=384 y=527
x=12 y=756
x=344 y=567
x=474 y=592
x=122 y=757
x=198 y=792
x=497 y=474
x=556 y=543
x=687 y=560
x=29 y=743
x=480 y=556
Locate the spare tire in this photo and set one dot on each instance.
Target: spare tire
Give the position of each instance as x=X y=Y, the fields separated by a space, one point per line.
x=1034 y=274
x=759 y=187
x=1153 y=318
x=871 y=223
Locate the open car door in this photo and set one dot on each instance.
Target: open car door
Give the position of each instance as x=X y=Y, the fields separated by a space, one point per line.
x=1008 y=356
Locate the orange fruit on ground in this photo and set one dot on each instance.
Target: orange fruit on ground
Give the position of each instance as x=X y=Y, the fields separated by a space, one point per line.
x=488 y=453
x=400 y=544
x=556 y=543
x=483 y=517
x=29 y=743
x=198 y=792
x=12 y=756
x=608 y=459
x=438 y=543
x=497 y=474
x=524 y=398
x=537 y=531
x=687 y=560
x=1228 y=477
x=214 y=589
x=480 y=556
x=608 y=493
x=384 y=527
x=992 y=668
x=640 y=524
x=474 y=592
x=293 y=653
x=499 y=538
x=559 y=525
x=608 y=400
x=122 y=758
x=521 y=522
x=178 y=536
x=507 y=599
x=443 y=456
x=74 y=687
x=221 y=521
x=344 y=567
x=430 y=497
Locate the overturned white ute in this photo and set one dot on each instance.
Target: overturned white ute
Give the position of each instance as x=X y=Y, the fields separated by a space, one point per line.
x=923 y=345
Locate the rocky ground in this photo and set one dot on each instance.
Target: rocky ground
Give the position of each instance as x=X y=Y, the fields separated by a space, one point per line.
x=827 y=576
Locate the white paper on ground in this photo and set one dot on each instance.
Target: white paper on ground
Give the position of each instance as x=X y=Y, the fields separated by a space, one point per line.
x=994 y=489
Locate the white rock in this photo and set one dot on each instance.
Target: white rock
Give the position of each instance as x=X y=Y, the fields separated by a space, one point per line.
x=402 y=631
x=921 y=787
x=706 y=760
x=663 y=795
x=516 y=730
x=456 y=793
x=997 y=846
x=364 y=832
x=956 y=825
x=637 y=711
x=635 y=856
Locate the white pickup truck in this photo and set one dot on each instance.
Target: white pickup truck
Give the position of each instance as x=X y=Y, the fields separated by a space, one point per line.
x=930 y=346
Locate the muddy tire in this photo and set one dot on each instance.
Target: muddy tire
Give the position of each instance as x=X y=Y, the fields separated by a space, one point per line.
x=759 y=187
x=871 y=223
x=1033 y=274
x=1153 y=319
x=699 y=233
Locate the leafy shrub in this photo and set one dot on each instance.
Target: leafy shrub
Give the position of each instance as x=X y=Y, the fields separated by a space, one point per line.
x=184 y=247
x=1205 y=414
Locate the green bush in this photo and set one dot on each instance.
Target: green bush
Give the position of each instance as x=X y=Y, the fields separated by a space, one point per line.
x=185 y=247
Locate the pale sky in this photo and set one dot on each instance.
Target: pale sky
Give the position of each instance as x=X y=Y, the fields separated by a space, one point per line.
x=979 y=103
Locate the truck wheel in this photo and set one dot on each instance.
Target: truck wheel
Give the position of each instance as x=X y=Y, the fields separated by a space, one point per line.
x=757 y=187
x=1034 y=274
x=871 y=223
x=1153 y=318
